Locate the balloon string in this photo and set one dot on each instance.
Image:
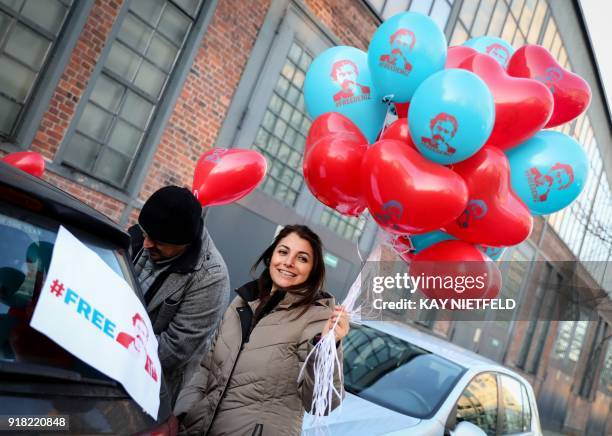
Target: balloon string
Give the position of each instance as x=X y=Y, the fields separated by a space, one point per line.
x=388 y=100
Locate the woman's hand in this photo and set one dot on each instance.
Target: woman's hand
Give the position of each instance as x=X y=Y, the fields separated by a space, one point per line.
x=342 y=328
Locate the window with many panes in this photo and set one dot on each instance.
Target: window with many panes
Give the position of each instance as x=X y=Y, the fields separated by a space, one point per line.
x=282 y=134
x=29 y=29
x=438 y=10
x=570 y=339
x=112 y=126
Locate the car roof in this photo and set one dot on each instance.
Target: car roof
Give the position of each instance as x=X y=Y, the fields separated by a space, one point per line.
x=436 y=345
x=45 y=199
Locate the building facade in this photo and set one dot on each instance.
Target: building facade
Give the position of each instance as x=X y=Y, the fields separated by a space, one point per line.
x=122 y=97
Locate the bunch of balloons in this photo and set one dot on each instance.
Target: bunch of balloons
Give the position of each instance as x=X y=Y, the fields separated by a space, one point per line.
x=466 y=166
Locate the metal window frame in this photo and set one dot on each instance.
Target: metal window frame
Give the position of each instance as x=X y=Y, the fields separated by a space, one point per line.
x=43 y=90
x=129 y=193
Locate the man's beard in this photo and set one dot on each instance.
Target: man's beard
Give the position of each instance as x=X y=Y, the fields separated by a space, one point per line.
x=439 y=139
x=348 y=84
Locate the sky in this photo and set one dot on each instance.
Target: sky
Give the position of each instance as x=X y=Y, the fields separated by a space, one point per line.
x=597 y=14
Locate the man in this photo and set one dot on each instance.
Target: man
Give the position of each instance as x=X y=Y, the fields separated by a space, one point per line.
x=138 y=343
x=183 y=277
x=560 y=177
x=345 y=73
x=402 y=42
x=443 y=128
x=499 y=53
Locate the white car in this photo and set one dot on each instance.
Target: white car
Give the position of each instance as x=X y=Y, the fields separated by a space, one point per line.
x=401 y=381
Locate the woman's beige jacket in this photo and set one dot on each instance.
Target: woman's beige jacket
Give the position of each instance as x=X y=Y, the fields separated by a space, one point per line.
x=250 y=386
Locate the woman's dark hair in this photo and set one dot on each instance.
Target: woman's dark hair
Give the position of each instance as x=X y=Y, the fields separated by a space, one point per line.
x=314 y=283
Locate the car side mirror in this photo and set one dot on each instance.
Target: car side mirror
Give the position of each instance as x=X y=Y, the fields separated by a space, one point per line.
x=465 y=428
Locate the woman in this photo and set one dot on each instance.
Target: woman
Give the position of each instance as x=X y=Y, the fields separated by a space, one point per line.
x=248 y=383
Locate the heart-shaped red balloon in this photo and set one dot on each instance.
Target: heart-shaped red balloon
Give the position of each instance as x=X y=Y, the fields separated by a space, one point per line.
x=399 y=131
x=28 y=161
x=456 y=270
x=571 y=93
x=225 y=175
x=522 y=106
x=332 y=124
x=402 y=109
x=331 y=172
x=457 y=54
x=407 y=193
x=494 y=214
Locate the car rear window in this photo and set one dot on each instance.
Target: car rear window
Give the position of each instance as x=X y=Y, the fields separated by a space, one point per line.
x=26 y=246
x=396 y=374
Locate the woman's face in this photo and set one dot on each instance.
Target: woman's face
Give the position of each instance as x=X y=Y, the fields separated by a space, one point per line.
x=291 y=262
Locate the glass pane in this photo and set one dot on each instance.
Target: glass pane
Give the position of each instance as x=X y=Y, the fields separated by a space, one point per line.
x=107 y=93
x=122 y=61
x=440 y=12
x=513 y=406
x=150 y=79
x=517 y=7
x=377 y=4
x=27 y=46
x=468 y=12
x=509 y=29
x=112 y=166
x=551 y=29
x=135 y=33
x=498 y=18
x=189 y=6
x=396 y=6
x=460 y=35
x=81 y=152
x=13 y=4
x=15 y=79
x=148 y=10
x=48 y=14
x=527 y=15
x=484 y=16
x=4 y=23
x=136 y=110
x=478 y=403
x=174 y=25
x=417 y=6
x=536 y=24
x=162 y=53
x=294 y=53
x=125 y=138
x=94 y=122
x=8 y=113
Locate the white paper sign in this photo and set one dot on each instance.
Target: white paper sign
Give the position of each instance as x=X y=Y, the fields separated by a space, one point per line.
x=93 y=313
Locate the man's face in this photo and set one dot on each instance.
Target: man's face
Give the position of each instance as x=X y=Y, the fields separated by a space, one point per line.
x=560 y=178
x=443 y=131
x=346 y=76
x=161 y=250
x=142 y=334
x=402 y=42
x=499 y=55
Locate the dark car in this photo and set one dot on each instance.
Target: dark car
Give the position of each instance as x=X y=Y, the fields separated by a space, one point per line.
x=38 y=377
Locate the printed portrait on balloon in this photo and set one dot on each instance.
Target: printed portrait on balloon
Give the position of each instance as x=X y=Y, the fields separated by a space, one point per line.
x=499 y=53
x=559 y=177
x=402 y=42
x=475 y=210
x=443 y=128
x=345 y=74
x=550 y=78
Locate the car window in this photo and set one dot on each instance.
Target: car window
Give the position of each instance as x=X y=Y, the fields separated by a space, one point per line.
x=526 y=409
x=396 y=374
x=26 y=246
x=512 y=400
x=478 y=403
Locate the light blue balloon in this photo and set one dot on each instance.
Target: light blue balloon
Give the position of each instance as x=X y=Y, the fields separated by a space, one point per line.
x=404 y=51
x=548 y=171
x=339 y=80
x=425 y=240
x=451 y=116
x=495 y=47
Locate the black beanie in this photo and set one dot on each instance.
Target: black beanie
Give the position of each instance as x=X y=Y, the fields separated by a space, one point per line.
x=171 y=215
